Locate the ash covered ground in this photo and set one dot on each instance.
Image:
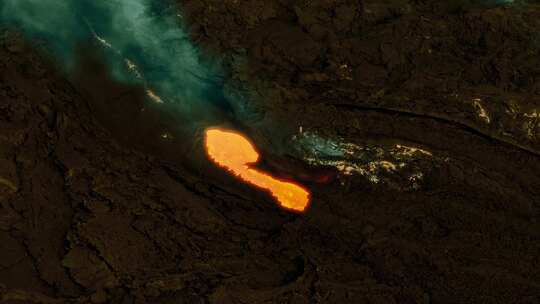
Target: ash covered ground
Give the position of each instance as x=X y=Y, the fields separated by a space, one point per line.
x=436 y=105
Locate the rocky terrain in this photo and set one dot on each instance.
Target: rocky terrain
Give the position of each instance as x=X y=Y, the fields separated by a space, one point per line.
x=441 y=100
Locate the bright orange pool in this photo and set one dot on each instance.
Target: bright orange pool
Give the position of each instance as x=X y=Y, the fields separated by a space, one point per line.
x=235 y=153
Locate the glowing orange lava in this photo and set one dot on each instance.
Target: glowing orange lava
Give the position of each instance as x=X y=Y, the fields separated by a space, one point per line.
x=235 y=153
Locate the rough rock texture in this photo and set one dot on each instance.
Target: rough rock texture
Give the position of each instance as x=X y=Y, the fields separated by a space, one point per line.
x=95 y=209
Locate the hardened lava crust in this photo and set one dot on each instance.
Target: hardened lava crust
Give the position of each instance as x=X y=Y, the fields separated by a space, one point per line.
x=429 y=111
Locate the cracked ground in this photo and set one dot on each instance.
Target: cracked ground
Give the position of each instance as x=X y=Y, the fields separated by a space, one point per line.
x=97 y=207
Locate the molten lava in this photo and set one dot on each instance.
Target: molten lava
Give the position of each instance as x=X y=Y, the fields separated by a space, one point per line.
x=235 y=153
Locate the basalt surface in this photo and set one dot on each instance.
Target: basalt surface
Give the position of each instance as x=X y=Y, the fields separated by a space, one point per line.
x=438 y=103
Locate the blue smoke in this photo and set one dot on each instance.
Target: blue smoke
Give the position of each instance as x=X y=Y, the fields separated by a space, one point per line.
x=145 y=43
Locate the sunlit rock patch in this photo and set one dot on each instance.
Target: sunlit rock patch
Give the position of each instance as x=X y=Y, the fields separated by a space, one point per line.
x=131 y=67
x=480 y=110
x=521 y=121
x=510 y=117
x=532 y=124
x=398 y=165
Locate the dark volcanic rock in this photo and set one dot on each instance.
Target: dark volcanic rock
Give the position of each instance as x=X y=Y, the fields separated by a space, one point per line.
x=96 y=207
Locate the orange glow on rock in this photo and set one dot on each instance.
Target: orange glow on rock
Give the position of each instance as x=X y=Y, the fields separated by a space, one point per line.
x=236 y=154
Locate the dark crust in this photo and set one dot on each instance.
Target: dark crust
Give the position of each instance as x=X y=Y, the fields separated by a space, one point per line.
x=96 y=207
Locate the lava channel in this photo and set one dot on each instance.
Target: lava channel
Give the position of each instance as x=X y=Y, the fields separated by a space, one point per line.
x=233 y=152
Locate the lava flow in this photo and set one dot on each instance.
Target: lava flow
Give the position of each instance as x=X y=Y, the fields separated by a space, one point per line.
x=235 y=153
